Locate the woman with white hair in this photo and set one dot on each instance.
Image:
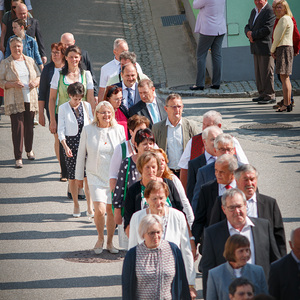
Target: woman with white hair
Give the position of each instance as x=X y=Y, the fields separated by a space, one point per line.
x=154 y=269
x=97 y=143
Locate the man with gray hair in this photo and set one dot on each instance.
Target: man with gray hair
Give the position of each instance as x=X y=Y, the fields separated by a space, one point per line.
x=258 y=205
x=225 y=166
x=209 y=156
x=259 y=232
x=223 y=144
x=284 y=280
x=195 y=146
x=125 y=58
x=113 y=67
x=150 y=105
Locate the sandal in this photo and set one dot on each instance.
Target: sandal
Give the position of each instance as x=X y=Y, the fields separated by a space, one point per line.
x=286 y=108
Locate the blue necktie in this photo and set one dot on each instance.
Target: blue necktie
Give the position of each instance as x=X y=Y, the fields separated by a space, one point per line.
x=153 y=113
x=129 y=97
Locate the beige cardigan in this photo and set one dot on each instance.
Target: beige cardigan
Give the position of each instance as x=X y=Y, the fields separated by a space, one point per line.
x=13 y=97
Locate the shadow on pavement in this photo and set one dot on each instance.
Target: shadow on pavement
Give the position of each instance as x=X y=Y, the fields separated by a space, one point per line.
x=64 y=283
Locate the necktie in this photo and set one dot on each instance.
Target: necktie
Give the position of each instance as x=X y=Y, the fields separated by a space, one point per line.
x=153 y=113
x=129 y=98
x=228 y=187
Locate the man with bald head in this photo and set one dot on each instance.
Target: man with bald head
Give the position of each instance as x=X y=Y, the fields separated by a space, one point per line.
x=67 y=39
x=129 y=85
x=284 y=280
x=32 y=30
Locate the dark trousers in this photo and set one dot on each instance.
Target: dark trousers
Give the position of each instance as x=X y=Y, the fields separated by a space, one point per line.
x=22 y=130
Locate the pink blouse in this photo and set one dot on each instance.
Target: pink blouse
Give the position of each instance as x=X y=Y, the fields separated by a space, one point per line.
x=122 y=120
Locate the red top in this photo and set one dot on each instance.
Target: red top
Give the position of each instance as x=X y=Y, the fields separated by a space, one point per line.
x=122 y=120
x=296 y=36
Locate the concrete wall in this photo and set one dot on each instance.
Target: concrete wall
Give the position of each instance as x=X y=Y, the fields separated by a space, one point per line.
x=237 y=59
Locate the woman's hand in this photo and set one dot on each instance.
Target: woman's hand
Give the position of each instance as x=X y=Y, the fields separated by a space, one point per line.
x=52 y=126
x=273 y=55
x=79 y=183
x=34 y=83
x=14 y=85
x=194 y=250
x=118 y=216
x=42 y=119
x=68 y=151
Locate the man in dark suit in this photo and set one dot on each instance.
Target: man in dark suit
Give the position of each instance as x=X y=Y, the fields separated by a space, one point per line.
x=259 y=232
x=173 y=133
x=225 y=166
x=284 y=280
x=33 y=29
x=151 y=106
x=67 y=39
x=259 y=32
x=223 y=144
x=258 y=205
x=129 y=85
x=208 y=136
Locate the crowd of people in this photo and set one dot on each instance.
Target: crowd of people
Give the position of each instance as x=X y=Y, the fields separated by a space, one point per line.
x=173 y=192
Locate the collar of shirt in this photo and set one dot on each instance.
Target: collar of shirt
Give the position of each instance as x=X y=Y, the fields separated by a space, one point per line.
x=256 y=9
x=168 y=123
x=116 y=62
x=209 y=158
x=232 y=184
x=124 y=87
x=253 y=198
x=154 y=101
x=295 y=257
x=247 y=226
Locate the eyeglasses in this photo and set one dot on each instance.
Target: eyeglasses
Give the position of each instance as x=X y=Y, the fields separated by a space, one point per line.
x=234 y=207
x=118 y=99
x=226 y=149
x=175 y=106
x=55 y=52
x=104 y=112
x=153 y=233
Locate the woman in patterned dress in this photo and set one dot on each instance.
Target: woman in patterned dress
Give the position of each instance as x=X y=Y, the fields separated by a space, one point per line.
x=154 y=269
x=72 y=117
x=96 y=148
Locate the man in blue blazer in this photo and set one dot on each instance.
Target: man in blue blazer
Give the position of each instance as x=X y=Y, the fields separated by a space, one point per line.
x=151 y=106
x=284 y=280
x=129 y=85
x=259 y=232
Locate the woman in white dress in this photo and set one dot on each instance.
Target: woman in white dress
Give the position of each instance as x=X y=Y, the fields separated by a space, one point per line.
x=96 y=147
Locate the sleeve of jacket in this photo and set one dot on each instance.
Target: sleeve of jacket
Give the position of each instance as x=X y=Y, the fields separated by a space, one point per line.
x=190 y=181
x=174 y=195
x=217 y=213
x=197 y=188
x=274 y=252
x=274 y=281
x=44 y=84
x=133 y=195
x=211 y=293
x=80 y=161
x=208 y=259
x=279 y=229
x=39 y=39
x=250 y=20
x=129 y=280
x=89 y=67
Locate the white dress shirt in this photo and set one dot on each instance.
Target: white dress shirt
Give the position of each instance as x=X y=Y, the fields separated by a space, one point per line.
x=222 y=188
x=110 y=69
x=185 y=158
x=247 y=232
x=252 y=207
x=174 y=144
x=125 y=94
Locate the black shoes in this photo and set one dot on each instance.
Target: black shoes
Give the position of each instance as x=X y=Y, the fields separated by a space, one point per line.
x=269 y=101
x=257 y=99
x=215 y=87
x=196 y=88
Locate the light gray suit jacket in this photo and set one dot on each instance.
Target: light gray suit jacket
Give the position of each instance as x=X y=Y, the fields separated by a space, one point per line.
x=220 y=278
x=160 y=131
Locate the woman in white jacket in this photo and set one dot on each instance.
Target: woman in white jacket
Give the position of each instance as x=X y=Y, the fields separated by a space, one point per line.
x=72 y=117
x=96 y=148
x=175 y=228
